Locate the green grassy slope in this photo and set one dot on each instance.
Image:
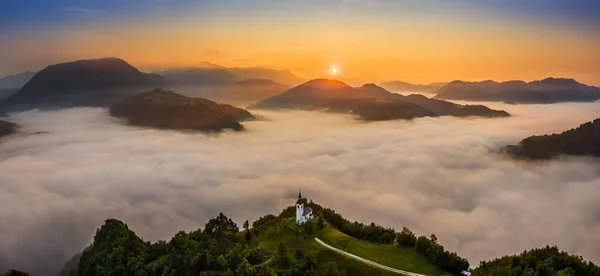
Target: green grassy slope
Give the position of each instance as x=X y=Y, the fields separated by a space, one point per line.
x=270 y=235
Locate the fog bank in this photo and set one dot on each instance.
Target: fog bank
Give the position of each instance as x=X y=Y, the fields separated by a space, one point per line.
x=68 y=170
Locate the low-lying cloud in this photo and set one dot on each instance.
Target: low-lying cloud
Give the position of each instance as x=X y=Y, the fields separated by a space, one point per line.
x=68 y=170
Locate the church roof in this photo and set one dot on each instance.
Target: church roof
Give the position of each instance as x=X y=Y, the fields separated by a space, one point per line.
x=307 y=211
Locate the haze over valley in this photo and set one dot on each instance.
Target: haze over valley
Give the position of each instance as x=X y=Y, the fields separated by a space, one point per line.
x=435 y=175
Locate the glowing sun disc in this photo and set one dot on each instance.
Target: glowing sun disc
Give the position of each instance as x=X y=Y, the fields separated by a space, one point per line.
x=334 y=71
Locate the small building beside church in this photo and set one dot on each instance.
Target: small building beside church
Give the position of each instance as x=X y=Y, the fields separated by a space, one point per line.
x=303 y=211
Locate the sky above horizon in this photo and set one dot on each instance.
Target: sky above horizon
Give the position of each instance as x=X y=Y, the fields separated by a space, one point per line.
x=369 y=40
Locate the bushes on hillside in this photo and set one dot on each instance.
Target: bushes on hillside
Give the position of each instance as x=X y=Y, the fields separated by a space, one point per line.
x=263 y=220
x=436 y=254
x=406 y=237
x=539 y=261
x=371 y=232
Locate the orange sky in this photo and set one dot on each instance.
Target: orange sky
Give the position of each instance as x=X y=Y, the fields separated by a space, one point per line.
x=365 y=48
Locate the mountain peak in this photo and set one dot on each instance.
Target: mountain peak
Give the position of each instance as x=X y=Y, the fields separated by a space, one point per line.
x=559 y=81
x=325 y=83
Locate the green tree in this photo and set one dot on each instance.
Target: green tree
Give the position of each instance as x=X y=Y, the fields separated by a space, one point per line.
x=244 y=268
x=308 y=227
x=246 y=225
x=406 y=237
x=298 y=254
x=321 y=222
x=433 y=238
x=283 y=257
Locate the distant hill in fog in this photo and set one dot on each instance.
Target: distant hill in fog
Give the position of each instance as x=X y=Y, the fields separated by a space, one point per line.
x=6 y=127
x=549 y=90
x=186 y=75
x=15 y=81
x=369 y=102
x=583 y=140
x=400 y=86
x=95 y=82
x=201 y=76
x=168 y=110
x=5 y=92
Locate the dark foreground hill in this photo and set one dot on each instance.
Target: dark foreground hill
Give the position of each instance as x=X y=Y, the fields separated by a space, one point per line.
x=168 y=110
x=550 y=90
x=96 y=82
x=275 y=245
x=539 y=261
x=369 y=102
x=583 y=141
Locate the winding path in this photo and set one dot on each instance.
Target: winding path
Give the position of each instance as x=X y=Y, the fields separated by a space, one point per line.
x=367 y=261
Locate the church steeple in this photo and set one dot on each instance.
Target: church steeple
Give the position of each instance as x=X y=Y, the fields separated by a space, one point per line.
x=299 y=197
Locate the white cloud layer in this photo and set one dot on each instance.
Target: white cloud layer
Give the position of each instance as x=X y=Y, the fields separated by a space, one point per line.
x=434 y=175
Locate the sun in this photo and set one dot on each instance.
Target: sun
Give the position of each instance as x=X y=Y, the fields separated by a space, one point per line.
x=334 y=71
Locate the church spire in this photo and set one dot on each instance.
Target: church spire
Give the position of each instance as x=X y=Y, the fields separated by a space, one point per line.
x=299 y=194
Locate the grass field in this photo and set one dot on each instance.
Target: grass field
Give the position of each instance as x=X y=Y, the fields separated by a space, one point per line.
x=270 y=235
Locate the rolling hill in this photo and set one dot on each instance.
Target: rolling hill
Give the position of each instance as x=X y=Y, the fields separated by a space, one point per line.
x=549 y=90
x=369 y=102
x=95 y=82
x=168 y=110
x=581 y=141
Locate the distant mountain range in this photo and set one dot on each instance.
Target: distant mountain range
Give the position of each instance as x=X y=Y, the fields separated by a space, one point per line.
x=549 y=90
x=168 y=110
x=15 y=81
x=583 y=140
x=369 y=102
x=400 y=86
x=210 y=74
x=95 y=82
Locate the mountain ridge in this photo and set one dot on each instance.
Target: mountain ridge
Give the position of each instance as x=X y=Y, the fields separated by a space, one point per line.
x=370 y=102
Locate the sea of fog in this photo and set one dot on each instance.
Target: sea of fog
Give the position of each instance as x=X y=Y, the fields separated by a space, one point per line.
x=69 y=170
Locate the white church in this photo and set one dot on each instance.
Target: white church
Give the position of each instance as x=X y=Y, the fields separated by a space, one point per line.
x=303 y=212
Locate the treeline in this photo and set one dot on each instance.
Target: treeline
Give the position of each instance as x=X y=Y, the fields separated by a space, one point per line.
x=219 y=249
x=435 y=252
x=448 y=261
x=547 y=261
x=116 y=250
x=370 y=232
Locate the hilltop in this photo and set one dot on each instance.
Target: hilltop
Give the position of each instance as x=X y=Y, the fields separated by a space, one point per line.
x=583 y=141
x=549 y=90
x=369 y=102
x=168 y=110
x=93 y=82
x=275 y=245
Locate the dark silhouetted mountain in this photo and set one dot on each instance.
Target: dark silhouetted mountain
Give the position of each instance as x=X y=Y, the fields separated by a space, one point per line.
x=201 y=76
x=583 y=140
x=370 y=102
x=168 y=110
x=96 y=82
x=5 y=92
x=550 y=90
x=400 y=86
x=7 y=128
x=16 y=81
